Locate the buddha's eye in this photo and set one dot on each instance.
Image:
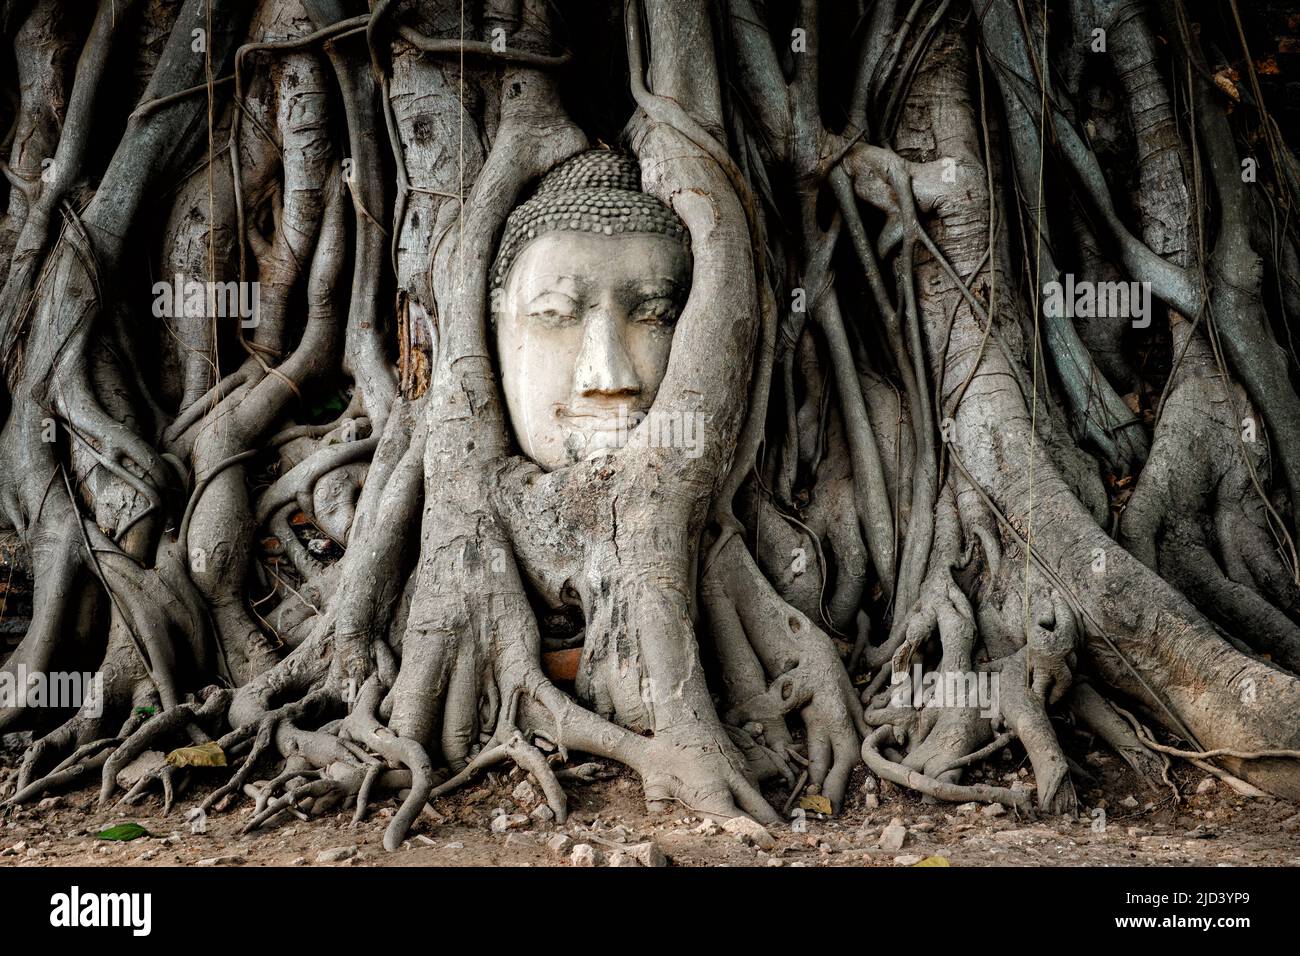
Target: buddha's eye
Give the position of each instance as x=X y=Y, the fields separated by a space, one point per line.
x=660 y=310
x=553 y=310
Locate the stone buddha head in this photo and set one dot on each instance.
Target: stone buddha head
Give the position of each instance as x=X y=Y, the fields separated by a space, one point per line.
x=590 y=277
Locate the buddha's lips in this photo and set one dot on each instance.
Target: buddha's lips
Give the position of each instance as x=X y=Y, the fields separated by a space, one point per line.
x=621 y=419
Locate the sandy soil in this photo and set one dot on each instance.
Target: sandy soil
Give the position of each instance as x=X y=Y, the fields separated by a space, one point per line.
x=1139 y=826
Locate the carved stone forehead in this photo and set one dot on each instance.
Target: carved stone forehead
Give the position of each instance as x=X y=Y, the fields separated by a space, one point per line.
x=596 y=192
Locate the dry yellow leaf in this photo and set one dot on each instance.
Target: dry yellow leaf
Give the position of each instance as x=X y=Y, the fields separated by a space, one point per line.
x=817 y=804
x=202 y=755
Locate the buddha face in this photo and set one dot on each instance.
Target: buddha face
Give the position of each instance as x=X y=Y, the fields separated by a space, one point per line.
x=583 y=335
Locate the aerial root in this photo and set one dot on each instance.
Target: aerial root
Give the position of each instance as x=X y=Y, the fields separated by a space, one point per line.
x=896 y=773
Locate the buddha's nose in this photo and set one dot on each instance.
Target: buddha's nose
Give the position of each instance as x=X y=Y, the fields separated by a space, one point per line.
x=604 y=365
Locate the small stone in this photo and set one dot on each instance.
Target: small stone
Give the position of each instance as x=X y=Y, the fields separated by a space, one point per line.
x=49 y=803
x=228 y=860
x=455 y=845
x=336 y=854
x=869 y=785
x=623 y=859
x=509 y=821
x=619 y=834
x=707 y=828
x=893 y=836
x=774 y=861
x=908 y=859
x=971 y=807
x=994 y=810
x=871 y=801
x=299 y=861
x=542 y=813
x=648 y=854
x=517 y=839
x=1130 y=802
x=560 y=844
x=584 y=854
x=1206 y=785
x=749 y=831
x=525 y=794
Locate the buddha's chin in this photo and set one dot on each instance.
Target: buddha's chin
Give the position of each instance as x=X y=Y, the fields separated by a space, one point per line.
x=587 y=440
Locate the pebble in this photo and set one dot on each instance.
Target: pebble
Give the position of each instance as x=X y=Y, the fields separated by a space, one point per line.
x=1206 y=785
x=994 y=810
x=648 y=854
x=336 y=854
x=509 y=821
x=228 y=860
x=893 y=836
x=908 y=859
x=749 y=831
x=584 y=854
x=559 y=844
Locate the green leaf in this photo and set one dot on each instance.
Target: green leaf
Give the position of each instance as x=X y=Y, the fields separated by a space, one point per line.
x=145 y=711
x=203 y=755
x=332 y=406
x=123 y=832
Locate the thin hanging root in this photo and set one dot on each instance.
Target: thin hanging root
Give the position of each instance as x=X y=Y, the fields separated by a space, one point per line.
x=1200 y=758
x=896 y=773
x=794 y=792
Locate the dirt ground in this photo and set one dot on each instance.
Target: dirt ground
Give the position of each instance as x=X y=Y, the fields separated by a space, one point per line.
x=1120 y=823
